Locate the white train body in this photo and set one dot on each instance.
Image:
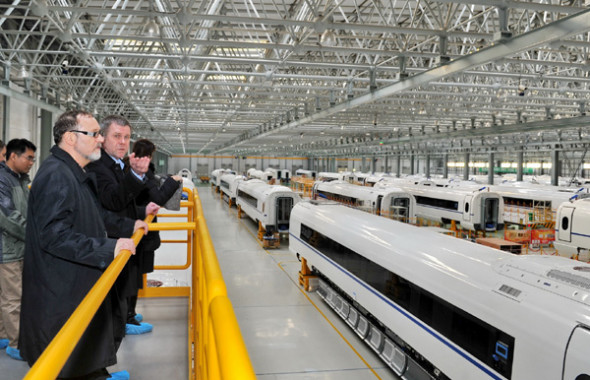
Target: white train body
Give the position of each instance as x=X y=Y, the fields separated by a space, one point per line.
x=306 y=173
x=572 y=228
x=228 y=184
x=280 y=175
x=330 y=176
x=472 y=209
x=470 y=311
x=261 y=175
x=216 y=175
x=390 y=202
x=268 y=204
x=407 y=181
x=538 y=204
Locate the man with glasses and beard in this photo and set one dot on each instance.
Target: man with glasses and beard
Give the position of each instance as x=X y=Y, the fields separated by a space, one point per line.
x=67 y=250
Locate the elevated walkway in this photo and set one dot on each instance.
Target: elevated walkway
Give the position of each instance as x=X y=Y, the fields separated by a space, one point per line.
x=161 y=354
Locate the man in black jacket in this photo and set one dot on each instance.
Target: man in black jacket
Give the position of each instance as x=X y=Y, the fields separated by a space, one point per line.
x=66 y=251
x=118 y=189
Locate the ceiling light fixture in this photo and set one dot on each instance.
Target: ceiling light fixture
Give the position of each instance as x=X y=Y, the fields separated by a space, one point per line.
x=151 y=29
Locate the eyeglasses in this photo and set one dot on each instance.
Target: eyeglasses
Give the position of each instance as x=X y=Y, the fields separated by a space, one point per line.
x=91 y=134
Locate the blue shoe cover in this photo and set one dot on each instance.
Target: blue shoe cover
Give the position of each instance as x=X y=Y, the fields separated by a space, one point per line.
x=137 y=330
x=138 y=317
x=3 y=343
x=13 y=353
x=121 y=375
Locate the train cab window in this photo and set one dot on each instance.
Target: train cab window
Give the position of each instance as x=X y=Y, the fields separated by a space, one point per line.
x=565 y=223
x=466 y=207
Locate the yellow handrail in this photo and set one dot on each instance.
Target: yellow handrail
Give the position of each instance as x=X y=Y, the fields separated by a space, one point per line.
x=220 y=352
x=57 y=353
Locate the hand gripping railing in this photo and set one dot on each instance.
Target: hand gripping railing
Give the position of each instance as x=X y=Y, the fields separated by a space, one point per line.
x=57 y=353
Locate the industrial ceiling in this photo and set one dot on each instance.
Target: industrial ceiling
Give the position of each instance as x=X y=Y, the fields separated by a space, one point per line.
x=309 y=77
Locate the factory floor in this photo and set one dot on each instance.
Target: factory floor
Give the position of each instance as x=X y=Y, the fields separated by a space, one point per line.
x=160 y=354
x=289 y=333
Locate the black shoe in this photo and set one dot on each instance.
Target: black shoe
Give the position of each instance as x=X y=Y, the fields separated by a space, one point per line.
x=132 y=321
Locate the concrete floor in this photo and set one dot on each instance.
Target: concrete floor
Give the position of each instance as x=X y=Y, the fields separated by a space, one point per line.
x=289 y=333
x=161 y=354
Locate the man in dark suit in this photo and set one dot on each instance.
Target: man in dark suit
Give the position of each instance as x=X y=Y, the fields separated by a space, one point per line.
x=118 y=189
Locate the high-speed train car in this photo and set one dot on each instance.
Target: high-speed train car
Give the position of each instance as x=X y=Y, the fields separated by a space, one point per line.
x=228 y=185
x=572 y=228
x=306 y=173
x=216 y=175
x=390 y=202
x=436 y=307
x=268 y=205
x=526 y=204
x=476 y=210
x=280 y=175
x=330 y=176
x=259 y=174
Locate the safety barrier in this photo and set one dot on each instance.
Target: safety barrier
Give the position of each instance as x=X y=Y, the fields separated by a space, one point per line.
x=216 y=347
x=218 y=351
x=59 y=350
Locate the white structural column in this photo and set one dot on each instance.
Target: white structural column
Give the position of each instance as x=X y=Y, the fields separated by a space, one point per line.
x=398 y=163
x=446 y=165
x=412 y=164
x=427 y=165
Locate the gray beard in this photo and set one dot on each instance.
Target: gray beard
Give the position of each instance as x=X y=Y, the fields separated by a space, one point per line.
x=93 y=156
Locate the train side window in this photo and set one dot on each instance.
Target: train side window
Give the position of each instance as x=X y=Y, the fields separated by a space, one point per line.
x=565 y=223
x=466 y=207
x=583 y=377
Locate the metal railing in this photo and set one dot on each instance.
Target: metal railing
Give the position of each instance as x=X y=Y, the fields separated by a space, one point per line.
x=219 y=350
x=216 y=346
x=59 y=350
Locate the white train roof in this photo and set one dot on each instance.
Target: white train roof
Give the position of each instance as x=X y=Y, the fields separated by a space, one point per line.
x=553 y=193
x=348 y=189
x=393 y=244
x=260 y=189
x=449 y=192
x=230 y=178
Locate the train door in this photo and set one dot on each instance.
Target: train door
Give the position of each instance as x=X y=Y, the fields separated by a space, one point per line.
x=377 y=209
x=576 y=365
x=565 y=223
x=283 y=213
x=489 y=213
x=400 y=209
x=467 y=208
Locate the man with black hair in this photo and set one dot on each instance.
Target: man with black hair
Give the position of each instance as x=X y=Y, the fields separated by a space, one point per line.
x=14 y=193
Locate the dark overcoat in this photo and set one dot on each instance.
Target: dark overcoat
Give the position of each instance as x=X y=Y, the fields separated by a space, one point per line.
x=159 y=194
x=117 y=191
x=66 y=251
